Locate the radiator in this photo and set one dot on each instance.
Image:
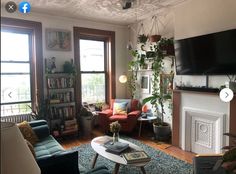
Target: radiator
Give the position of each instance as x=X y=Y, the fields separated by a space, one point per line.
x=16 y=118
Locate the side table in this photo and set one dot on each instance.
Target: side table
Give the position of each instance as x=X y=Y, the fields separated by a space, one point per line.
x=147 y=119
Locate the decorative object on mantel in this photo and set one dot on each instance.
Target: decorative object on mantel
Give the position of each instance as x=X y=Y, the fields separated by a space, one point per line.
x=154 y=35
x=115 y=129
x=58 y=40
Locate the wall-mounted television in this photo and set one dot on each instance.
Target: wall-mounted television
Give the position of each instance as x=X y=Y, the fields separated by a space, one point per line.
x=211 y=54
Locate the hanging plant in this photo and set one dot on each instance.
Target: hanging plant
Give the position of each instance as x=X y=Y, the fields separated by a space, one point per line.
x=154 y=36
x=142 y=38
x=167 y=46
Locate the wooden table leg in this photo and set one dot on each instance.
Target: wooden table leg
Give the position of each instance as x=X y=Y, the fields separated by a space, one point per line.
x=116 y=170
x=94 y=160
x=140 y=128
x=143 y=170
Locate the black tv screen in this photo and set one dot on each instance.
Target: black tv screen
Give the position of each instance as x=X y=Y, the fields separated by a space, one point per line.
x=211 y=54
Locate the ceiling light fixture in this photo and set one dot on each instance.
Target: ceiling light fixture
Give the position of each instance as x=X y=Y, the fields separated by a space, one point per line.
x=126 y=4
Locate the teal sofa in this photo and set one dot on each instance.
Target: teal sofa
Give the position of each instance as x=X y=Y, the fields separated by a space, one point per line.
x=52 y=158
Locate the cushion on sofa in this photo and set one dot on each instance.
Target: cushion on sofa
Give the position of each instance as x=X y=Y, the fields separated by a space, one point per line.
x=47 y=147
x=28 y=132
x=120 y=108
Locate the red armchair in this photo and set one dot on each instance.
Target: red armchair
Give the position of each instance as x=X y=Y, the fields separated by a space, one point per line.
x=128 y=121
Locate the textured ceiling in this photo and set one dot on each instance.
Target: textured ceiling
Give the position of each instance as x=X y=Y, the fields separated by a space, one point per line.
x=101 y=10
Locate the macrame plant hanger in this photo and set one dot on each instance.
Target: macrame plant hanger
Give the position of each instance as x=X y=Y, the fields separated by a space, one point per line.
x=154 y=35
x=142 y=38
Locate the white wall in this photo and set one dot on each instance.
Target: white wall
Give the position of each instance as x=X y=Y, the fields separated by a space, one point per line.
x=50 y=21
x=198 y=17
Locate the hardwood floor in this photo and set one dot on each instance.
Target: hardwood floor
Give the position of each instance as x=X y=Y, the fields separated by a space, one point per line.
x=145 y=138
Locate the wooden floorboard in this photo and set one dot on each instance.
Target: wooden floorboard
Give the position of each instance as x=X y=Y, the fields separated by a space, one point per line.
x=145 y=138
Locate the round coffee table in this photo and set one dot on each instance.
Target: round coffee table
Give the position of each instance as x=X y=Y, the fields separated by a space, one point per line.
x=97 y=145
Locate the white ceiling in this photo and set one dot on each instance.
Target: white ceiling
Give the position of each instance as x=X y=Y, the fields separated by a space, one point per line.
x=101 y=10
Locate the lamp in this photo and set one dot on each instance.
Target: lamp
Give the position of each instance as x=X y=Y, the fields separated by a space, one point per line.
x=15 y=154
x=123 y=78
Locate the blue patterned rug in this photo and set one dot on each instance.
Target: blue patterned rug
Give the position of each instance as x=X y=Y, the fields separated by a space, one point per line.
x=161 y=163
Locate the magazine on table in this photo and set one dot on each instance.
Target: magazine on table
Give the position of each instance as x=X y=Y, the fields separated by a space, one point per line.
x=136 y=157
x=116 y=147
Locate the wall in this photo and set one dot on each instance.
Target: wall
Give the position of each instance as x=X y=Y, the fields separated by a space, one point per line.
x=198 y=17
x=50 y=21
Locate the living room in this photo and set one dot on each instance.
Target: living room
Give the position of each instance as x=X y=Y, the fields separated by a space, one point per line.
x=109 y=22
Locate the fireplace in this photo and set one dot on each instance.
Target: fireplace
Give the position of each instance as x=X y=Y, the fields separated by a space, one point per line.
x=202 y=130
x=199 y=121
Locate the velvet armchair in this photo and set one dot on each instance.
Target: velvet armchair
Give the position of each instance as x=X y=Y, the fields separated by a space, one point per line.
x=127 y=120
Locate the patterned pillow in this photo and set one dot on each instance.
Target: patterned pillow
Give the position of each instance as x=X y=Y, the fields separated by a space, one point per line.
x=28 y=132
x=120 y=108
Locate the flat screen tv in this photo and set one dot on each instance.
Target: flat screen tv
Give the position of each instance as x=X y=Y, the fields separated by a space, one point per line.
x=211 y=54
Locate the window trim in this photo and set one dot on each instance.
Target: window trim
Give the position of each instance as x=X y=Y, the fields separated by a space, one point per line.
x=36 y=53
x=109 y=38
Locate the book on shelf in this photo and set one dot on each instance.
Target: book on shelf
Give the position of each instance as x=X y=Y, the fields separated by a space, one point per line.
x=116 y=147
x=136 y=157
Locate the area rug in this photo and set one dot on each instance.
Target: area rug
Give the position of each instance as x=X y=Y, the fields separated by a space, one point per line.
x=161 y=163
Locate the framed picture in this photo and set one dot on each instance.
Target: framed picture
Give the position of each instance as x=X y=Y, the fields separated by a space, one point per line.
x=166 y=83
x=145 y=84
x=57 y=39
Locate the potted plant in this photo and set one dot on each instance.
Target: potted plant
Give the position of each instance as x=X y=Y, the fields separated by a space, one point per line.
x=142 y=38
x=157 y=99
x=167 y=46
x=69 y=67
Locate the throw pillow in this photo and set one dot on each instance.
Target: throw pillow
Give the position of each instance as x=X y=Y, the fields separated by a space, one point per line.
x=31 y=148
x=28 y=132
x=120 y=108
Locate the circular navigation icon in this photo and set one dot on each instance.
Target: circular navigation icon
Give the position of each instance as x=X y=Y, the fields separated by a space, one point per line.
x=226 y=95
x=10 y=7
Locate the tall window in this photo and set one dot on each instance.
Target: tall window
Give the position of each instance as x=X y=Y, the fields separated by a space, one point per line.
x=21 y=66
x=92 y=67
x=95 y=61
x=15 y=73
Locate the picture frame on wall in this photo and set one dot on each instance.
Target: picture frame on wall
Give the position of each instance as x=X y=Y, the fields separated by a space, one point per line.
x=57 y=39
x=166 y=83
x=145 y=84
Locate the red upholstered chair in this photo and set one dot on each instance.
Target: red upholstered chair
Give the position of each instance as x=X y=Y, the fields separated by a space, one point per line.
x=128 y=121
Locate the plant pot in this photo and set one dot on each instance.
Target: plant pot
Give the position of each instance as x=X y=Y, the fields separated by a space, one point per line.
x=154 y=38
x=162 y=132
x=142 y=38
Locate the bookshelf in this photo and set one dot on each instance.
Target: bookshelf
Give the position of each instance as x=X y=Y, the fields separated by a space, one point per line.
x=61 y=101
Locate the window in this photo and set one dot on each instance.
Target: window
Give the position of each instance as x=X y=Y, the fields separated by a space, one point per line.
x=15 y=73
x=95 y=61
x=92 y=66
x=21 y=66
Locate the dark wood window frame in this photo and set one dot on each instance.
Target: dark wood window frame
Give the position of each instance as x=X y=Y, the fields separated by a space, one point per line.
x=35 y=29
x=109 y=38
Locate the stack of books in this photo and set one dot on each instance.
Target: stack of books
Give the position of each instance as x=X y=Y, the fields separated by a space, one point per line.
x=116 y=147
x=70 y=126
x=136 y=157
